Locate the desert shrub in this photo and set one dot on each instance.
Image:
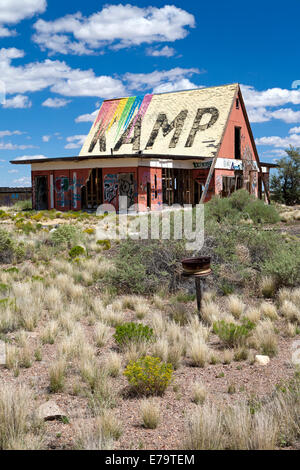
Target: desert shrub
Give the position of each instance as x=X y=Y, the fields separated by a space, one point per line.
x=106 y=244
x=240 y=199
x=284 y=265
x=240 y=205
x=76 y=251
x=220 y=209
x=147 y=266
x=132 y=333
x=232 y=334
x=6 y=247
x=66 y=236
x=89 y=231
x=149 y=375
x=3 y=214
x=260 y=212
x=27 y=227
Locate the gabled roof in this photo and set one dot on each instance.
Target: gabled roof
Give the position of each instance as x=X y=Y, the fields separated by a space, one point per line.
x=188 y=123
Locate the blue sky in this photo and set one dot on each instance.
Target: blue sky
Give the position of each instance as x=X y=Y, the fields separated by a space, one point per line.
x=58 y=60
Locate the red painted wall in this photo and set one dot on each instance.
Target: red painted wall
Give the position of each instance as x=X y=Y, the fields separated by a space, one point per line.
x=236 y=119
x=66 y=188
x=147 y=175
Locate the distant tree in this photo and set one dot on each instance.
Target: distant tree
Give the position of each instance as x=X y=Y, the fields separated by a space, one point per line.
x=285 y=185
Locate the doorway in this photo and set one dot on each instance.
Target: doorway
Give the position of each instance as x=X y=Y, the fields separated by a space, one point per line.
x=91 y=193
x=41 y=193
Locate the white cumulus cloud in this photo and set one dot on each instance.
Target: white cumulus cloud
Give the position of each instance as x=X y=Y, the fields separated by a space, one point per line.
x=75 y=141
x=116 y=26
x=55 y=103
x=14 y=11
x=163 y=52
x=18 y=101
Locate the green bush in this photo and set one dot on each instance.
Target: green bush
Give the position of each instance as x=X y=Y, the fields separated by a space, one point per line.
x=132 y=332
x=6 y=247
x=284 y=265
x=149 y=375
x=260 y=212
x=144 y=267
x=66 y=236
x=241 y=205
x=232 y=334
x=240 y=199
x=77 y=251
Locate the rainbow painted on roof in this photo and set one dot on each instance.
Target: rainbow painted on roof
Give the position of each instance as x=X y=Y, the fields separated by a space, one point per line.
x=125 y=111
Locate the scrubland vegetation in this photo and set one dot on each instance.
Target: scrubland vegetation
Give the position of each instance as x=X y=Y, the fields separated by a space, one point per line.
x=109 y=331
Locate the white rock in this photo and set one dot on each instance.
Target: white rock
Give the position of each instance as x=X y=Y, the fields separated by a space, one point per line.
x=49 y=411
x=262 y=360
x=2 y=353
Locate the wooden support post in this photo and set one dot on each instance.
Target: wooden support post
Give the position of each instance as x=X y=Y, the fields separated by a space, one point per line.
x=199 y=291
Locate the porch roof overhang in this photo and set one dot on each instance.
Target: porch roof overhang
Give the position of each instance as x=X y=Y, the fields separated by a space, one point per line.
x=110 y=157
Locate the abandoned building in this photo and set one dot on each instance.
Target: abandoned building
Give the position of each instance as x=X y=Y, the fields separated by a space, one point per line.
x=10 y=196
x=158 y=149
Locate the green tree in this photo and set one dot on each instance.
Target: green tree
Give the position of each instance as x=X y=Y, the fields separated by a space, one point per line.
x=285 y=185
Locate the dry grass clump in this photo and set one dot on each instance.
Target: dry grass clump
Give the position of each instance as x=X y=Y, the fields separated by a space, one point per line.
x=284 y=294
x=203 y=429
x=158 y=323
x=90 y=436
x=113 y=364
x=290 y=311
x=101 y=334
x=291 y=330
x=199 y=393
x=268 y=287
x=9 y=320
x=50 y=332
x=112 y=317
x=253 y=314
x=259 y=425
x=264 y=338
x=269 y=310
x=245 y=431
x=196 y=327
x=209 y=295
x=199 y=352
x=210 y=312
x=18 y=428
x=235 y=306
x=12 y=357
x=57 y=372
x=150 y=412
x=228 y=356
x=158 y=302
x=134 y=351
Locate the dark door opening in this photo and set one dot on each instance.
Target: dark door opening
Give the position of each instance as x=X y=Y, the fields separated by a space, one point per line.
x=177 y=186
x=41 y=193
x=237 y=143
x=149 y=195
x=197 y=192
x=91 y=193
x=127 y=187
